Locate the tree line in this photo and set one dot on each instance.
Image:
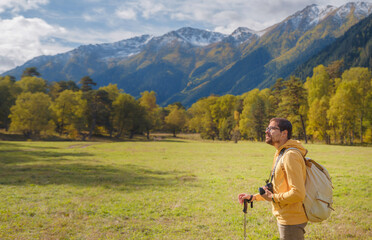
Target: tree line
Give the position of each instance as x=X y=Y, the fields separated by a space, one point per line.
x=331 y=106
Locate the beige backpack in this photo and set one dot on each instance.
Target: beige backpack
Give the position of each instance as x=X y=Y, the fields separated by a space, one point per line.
x=318 y=201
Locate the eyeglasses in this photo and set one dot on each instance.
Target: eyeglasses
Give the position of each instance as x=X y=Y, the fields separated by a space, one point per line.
x=272 y=128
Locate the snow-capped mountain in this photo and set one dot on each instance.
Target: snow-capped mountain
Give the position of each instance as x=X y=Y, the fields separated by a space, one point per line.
x=314 y=14
x=110 y=51
x=189 y=37
x=106 y=52
x=241 y=35
x=360 y=9
x=309 y=17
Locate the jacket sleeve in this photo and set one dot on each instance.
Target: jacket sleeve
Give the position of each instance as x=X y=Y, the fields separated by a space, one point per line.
x=259 y=197
x=294 y=167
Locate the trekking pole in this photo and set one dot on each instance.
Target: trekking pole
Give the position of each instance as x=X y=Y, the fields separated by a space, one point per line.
x=246 y=201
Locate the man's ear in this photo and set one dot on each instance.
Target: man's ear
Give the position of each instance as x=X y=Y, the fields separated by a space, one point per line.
x=285 y=134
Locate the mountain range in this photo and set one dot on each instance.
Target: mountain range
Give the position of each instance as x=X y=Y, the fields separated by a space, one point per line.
x=188 y=64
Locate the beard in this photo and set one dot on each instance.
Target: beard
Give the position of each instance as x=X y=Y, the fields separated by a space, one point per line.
x=269 y=139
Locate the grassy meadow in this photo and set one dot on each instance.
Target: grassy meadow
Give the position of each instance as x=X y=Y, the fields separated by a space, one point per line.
x=170 y=189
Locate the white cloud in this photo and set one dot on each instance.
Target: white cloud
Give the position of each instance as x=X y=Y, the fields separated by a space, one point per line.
x=127 y=14
x=151 y=8
x=218 y=14
x=224 y=16
x=92 y=36
x=96 y=15
x=19 y=5
x=25 y=38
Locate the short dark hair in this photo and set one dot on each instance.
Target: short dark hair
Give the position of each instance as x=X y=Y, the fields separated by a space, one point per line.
x=284 y=124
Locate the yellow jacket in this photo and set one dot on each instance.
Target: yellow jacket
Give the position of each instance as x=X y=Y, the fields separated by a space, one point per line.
x=289 y=185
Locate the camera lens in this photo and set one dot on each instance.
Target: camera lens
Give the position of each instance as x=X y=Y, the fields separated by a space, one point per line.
x=261 y=190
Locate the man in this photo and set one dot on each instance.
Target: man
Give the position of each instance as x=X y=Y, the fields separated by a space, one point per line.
x=288 y=181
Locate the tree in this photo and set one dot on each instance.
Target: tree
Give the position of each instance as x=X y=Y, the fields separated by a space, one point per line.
x=31 y=72
x=112 y=90
x=98 y=109
x=334 y=69
x=128 y=115
x=343 y=110
x=31 y=114
x=56 y=88
x=276 y=91
x=32 y=84
x=319 y=88
x=362 y=78
x=222 y=113
x=68 y=111
x=318 y=123
x=113 y=93
x=238 y=109
x=176 y=119
x=8 y=95
x=148 y=101
x=87 y=83
x=293 y=105
x=255 y=115
x=201 y=118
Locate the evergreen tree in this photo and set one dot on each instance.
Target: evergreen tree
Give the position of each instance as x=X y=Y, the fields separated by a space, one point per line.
x=87 y=83
x=113 y=93
x=293 y=103
x=98 y=109
x=31 y=72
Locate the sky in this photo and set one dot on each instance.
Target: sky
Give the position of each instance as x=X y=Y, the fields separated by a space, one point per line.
x=31 y=28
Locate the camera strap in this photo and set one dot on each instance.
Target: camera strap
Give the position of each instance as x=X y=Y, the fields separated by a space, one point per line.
x=276 y=163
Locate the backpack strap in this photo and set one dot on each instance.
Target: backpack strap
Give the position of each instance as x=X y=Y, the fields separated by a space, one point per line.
x=281 y=162
x=276 y=163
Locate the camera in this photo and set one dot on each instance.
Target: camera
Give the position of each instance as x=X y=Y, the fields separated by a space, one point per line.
x=269 y=186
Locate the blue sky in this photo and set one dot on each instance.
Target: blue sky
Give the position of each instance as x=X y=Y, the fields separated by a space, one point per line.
x=31 y=28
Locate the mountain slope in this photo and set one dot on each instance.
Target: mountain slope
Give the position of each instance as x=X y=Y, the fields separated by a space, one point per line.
x=84 y=60
x=354 y=48
x=284 y=47
x=178 y=61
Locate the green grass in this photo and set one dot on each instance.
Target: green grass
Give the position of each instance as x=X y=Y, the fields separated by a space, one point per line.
x=170 y=189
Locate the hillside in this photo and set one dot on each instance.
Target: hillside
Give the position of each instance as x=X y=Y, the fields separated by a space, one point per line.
x=354 y=48
x=283 y=48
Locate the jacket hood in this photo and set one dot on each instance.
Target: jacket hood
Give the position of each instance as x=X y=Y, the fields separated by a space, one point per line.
x=293 y=144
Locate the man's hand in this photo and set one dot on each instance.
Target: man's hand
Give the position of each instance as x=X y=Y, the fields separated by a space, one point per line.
x=268 y=196
x=243 y=196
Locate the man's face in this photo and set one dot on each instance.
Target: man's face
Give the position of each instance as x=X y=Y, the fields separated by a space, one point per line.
x=272 y=133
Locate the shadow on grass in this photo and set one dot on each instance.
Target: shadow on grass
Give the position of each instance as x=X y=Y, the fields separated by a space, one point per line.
x=173 y=140
x=16 y=153
x=43 y=167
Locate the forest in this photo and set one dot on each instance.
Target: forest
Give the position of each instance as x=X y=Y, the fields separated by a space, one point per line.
x=332 y=106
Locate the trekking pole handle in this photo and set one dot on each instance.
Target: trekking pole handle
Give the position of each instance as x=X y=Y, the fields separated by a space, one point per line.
x=245 y=205
x=246 y=201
